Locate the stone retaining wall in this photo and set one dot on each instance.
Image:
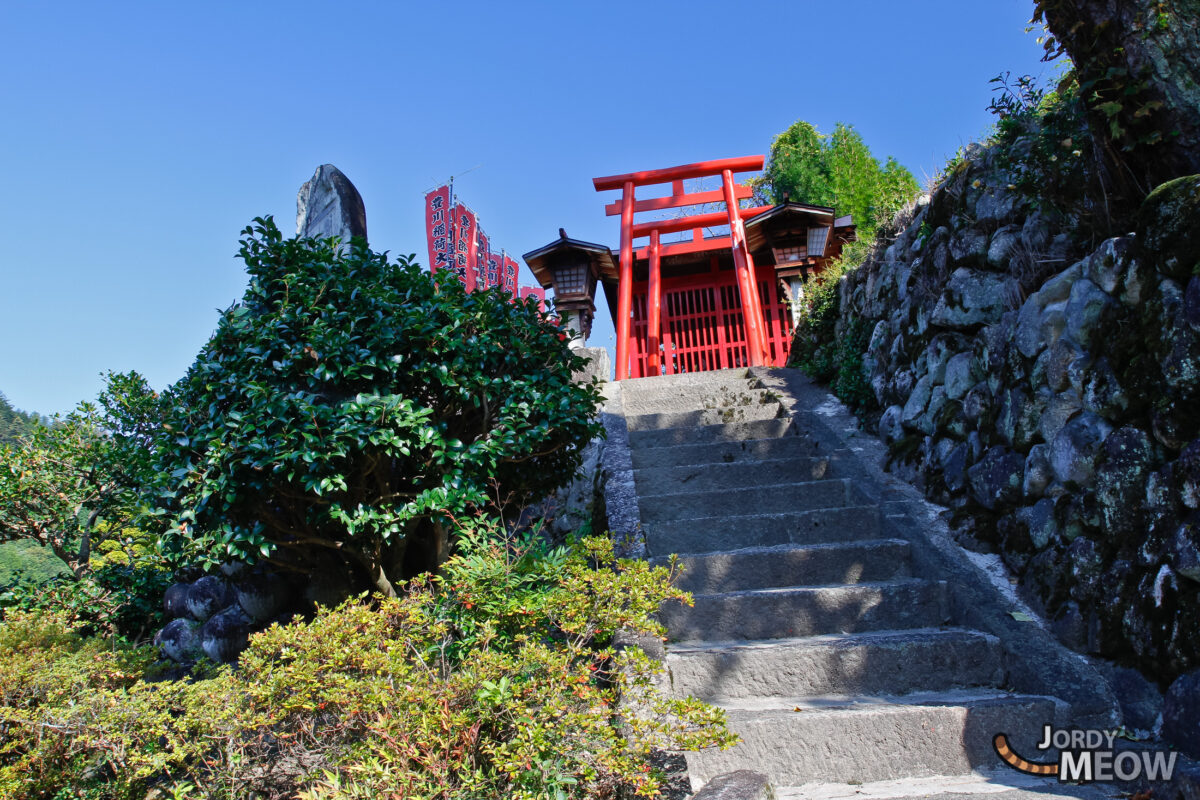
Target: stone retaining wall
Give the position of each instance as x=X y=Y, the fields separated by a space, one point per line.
x=1050 y=392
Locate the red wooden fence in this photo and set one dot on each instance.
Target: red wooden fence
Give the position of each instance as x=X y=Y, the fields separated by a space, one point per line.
x=703 y=325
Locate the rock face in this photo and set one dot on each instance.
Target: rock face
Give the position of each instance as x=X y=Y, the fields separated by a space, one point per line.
x=1057 y=406
x=1181 y=714
x=329 y=205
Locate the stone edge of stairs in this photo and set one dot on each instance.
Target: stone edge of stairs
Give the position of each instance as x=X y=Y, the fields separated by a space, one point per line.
x=1036 y=662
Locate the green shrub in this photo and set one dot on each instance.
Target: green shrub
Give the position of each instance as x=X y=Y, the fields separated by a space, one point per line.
x=26 y=565
x=119 y=595
x=498 y=678
x=817 y=346
x=350 y=405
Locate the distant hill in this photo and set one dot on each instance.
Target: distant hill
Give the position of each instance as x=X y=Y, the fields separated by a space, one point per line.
x=13 y=423
x=26 y=564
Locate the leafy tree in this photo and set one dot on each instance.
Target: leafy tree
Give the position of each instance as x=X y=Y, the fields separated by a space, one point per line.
x=82 y=474
x=14 y=424
x=837 y=171
x=349 y=406
x=1138 y=68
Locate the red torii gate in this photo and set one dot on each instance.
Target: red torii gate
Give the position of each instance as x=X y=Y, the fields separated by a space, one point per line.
x=628 y=205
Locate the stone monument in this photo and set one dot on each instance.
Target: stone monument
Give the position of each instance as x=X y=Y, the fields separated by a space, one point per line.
x=329 y=205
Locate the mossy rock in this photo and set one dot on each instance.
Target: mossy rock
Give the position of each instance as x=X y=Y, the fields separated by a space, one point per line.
x=1170 y=223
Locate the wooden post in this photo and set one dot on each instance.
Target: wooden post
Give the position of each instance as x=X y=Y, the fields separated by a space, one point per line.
x=743 y=264
x=653 y=308
x=625 y=282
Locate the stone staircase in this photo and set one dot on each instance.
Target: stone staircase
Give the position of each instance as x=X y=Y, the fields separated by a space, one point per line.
x=831 y=629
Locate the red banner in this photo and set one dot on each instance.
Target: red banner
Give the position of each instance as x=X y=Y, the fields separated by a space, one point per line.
x=483 y=253
x=439 y=229
x=493 y=268
x=540 y=294
x=512 y=269
x=465 y=246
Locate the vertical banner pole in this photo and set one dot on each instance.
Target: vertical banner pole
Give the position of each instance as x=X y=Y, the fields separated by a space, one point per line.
x=747 y=280
x=625 y=285
x=653 y=308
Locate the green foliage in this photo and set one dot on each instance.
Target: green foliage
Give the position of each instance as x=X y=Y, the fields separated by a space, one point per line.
x=837 y=171
x=69 y=481
x=1042 y=140
x=496 y=679
x=349 y=405
x=818 y=347
x=26 y=565
x=14 y=424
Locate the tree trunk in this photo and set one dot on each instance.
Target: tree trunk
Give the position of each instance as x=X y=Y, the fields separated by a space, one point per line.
x=1138 y=64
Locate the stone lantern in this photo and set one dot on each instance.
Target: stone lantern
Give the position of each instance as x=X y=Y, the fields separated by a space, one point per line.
x=572 y=268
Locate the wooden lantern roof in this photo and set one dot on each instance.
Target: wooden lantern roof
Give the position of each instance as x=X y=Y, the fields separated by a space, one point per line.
x=543 y=260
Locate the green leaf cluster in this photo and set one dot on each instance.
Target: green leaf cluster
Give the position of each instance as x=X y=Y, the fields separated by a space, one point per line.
x=829 y=350
x=498 y=678
x=75 y=487
x=350 y=405
x=836 y=171
x=14 y=424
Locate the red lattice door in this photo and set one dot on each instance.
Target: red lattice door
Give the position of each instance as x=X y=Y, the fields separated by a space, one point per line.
x=703 y=325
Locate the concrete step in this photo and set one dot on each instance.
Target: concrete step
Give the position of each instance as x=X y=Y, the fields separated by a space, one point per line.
x=874 y=662
x=691 y=398
x=720 y=533
x=724 y=415
x=739 y=474
x=749 y=451
x=871 y=560
x=807 y=611
x=988 y=784
x=706 y=434
x=739 y=377
x=874 y=738
x=776 y=499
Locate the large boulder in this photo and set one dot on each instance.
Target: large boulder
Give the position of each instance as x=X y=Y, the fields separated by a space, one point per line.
x=262 y=596
x=1121 y=479
x=226 y=635
x=1181 y=714
x=996 y=480
x=207 y=596
x=179 y=640
x=175 y=600
x=973 y=297
x=1107 y=264
x=1076 y=448
x=1088 y=307
x=1170 y=221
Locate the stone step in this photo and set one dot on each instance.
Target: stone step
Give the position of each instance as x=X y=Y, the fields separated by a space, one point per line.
x=986 y=784
x=667 y=420
x=776 y=499
x=739 y=474
x=786 y=613
x=721 y=533
x=739 y=377
x=732 y=452
x=871 y=560
x=870 y=738
x=733 y=432
x=688 y=398
x=874 y=662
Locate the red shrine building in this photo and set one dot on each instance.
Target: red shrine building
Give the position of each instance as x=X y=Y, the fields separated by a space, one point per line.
x=717 y=295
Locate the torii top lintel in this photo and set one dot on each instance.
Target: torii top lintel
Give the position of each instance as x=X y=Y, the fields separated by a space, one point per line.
x=683 y=172
x=731 y=194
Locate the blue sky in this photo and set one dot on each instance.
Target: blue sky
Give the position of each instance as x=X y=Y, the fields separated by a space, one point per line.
x=139 y=139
